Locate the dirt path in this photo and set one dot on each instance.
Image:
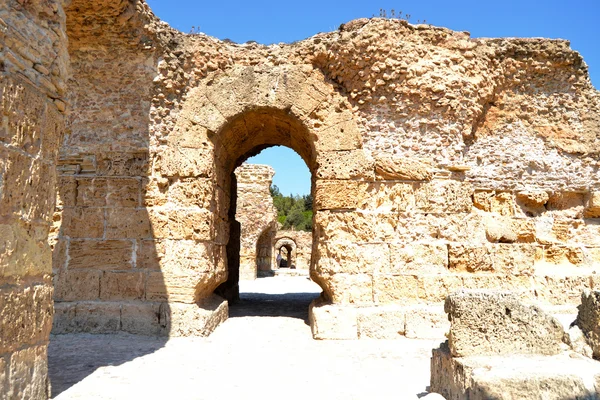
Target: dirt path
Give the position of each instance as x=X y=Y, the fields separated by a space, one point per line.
x=264 y=350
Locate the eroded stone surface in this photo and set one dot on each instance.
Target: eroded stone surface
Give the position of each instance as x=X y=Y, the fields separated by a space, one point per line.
x=497 y=323
x=588 y=319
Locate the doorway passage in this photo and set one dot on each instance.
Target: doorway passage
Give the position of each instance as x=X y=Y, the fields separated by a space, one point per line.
x=272 y=271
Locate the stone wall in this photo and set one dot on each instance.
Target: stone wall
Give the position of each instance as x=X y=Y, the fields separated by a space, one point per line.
x=438 y=162
x=135 y=252
x=255 y=212
x=33 y=69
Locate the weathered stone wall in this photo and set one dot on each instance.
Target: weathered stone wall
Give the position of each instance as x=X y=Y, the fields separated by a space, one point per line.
x=134 y=253
x=33 y=69
x=438 y=162
x=255 y=212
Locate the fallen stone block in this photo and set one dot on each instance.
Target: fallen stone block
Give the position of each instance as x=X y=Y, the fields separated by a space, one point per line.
x=513 y=376
x=495 y=323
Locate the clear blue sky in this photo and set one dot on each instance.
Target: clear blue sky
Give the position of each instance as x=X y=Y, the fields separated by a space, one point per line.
x=287 y=21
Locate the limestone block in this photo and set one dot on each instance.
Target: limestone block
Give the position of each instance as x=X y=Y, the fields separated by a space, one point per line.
x=525 y=230
x=184 y=162
x=493 y=322
x=435 y=288
x=500 y=258
x=557 y=254
x=52 y=133
x=123 y=192
x=24 y=250
x=499 y=229
x=128 y=223
x=67 y=191
x=447 y=378
x=101 y=254
x=356 y=227
x=122 y=285
x=90 y=317
x=122 y=163
x=145 y=318
x=27 y=181
x=75 y=285
x=199 y=319
x=381 y=322
x=388 y=197
x=201 y=111
x=425 y=258
x=150 y=254
x=28 y=374
x=350 y=164
x=566 y=204
x=560 y=288
x=588 y=319
x=512 y=376
x=517 y=259
x=83 y=222
x=426 y=323
x=26 y=316
x=344 y=135
x=470 y=258
x=345 y=288
x=444 y=196
x=331 y=195
x=92 y=192
x=392 y=289
x=351 y=258
x=532 y=202
x=159 y=219
x=179 y=287
x=192 y=193
x=332 y=322
x=153 y=194
x=23 y=109
x=496 y=202
x=403 y=168
x=191 y=224
x=592 y=205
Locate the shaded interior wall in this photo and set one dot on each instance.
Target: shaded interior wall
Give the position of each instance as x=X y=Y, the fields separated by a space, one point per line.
x=33 y=68
x=135 y=252
x=254 y=211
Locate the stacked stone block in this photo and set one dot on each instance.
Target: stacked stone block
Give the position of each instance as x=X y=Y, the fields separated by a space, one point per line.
x=33 y=65
x=255 y=212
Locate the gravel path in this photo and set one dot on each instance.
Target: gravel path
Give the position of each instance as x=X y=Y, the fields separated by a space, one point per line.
x=263 y=351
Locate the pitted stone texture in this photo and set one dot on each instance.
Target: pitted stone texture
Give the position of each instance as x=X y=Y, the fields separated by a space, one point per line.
x=588 y=319
x=255 y=212
x=513 y=376
x=497 y=323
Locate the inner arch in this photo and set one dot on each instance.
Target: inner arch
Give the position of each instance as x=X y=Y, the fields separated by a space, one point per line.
x=244 y=136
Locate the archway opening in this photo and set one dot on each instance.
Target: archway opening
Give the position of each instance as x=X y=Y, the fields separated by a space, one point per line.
x=253 y=220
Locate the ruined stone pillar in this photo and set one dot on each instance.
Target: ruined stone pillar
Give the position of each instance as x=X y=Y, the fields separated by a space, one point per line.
x=255 y=212
x=33 y=67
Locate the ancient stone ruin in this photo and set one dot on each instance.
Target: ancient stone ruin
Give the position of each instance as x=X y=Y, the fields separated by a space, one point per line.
x=500 y=348
x=439 y=162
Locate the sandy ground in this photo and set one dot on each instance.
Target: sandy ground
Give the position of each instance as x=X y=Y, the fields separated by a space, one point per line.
x=263 y=351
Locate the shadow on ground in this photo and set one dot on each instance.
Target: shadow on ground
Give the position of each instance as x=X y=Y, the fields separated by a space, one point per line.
x=292 y=305
x=72 y=357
